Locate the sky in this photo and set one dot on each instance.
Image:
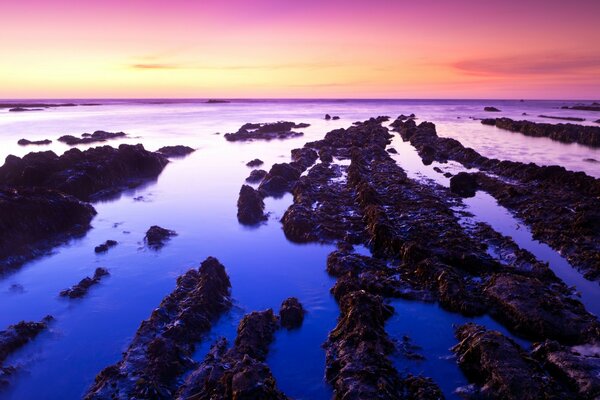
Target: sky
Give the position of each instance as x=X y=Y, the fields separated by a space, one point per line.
x=532 y=49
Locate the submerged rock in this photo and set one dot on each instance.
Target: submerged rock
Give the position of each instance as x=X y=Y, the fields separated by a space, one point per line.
x=32 y=221
x=250 y=206
x=291 y=313
x=156 y=237
x=163 y=344
x=87 y=138
x=464 y=184
x=85 y=284
x=91 y=174
x=104 y=247
x=176 y=151
x=26 y=142
x=266 y=131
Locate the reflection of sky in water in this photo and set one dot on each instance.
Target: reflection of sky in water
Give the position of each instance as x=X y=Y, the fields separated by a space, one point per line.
x=196 y=196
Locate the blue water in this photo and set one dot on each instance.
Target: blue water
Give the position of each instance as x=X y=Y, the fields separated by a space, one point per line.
x=196 y=196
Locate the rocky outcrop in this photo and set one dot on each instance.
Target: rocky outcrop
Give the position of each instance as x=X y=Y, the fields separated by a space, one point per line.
x=81 y=289
x=175 y=151
x=583 y=107
x=256 y=176
x=291 y=313
x=15 y=337
x=91 y=174
x=87 y=138
x=266 y=131
x=26 y=142
x=491 y=109
x=33 y=221
x=156 y=237
x=565 y=133
x=104 y=247
x=280 y=179
x=162 y=346
x=255 y=163
x=251 y=207
x=240 y=372
x=464 y=184
x=501 y=368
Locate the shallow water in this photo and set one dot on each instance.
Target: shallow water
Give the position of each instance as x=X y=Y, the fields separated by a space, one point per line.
x=196 y=196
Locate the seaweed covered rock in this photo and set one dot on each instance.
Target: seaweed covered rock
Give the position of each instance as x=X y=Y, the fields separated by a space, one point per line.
x=104 y=247
x=280 y=179
x=291 y=313
x=156 y=237
x=85 y=284
x=163 y=344
x=464 y=184
x=32 y=221
x=87 y=138
x=250 y=206
x=255 y=163
x=90 y=174
x=266 y=131
x=256 y=176
x=176 y=151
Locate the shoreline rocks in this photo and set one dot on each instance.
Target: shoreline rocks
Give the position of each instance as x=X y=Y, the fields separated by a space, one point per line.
x=256 y=176
x=163 y=344
x=87 y=138
x=81 y=289
x=250 y=206
x=176 y=151
x=156 y=237
x=266 y=131
x=563 y=118
x=291 y=313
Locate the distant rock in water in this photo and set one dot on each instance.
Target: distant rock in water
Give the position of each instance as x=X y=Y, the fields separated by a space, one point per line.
x=22 y=109
x=176 y=151
x=582 y=107
x=255 y=163
x=591 y=160
x=563 y=118
x=266 y=131
x=334 y=117
x=256 y=176
x=91 y=174
x=104 y=247
x=156 y=237
x=26 y=142
x=250 y=206
x=464 y=184
x=491 y=109
x=34 y=220
x=86 y=138
x=291 y=313
x=566 y=133
x=35 y=105
x=217 y=101
x=85 y=284
x=597 y=121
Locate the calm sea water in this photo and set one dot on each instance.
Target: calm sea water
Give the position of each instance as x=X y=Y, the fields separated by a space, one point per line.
x=196 y=196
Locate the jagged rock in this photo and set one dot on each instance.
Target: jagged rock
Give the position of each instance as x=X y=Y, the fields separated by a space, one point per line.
x=291 y=313
x=156 y=237
x=85 y=284
x=32 y=221
x=90 y=174
x=251 y=206
x=163 y=344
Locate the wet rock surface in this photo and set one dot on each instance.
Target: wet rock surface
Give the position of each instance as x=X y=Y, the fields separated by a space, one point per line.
x=87 y=138
x=163 y=344
x=13 y=338
x=501 y=368
x=33 y=221
x=240 y=372
x=26 y=142
x=176 y=151
x=291 y=313
x=251 y=207
x=81 y=289
x=256 y=176
x=560 y=206
x=280 y=179
x=104 y=247
x=266 y=131
x=566 y=133
x=156 y=237
x=91 y=174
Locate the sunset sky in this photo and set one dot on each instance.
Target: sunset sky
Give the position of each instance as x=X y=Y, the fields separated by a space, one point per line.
x=309 y=49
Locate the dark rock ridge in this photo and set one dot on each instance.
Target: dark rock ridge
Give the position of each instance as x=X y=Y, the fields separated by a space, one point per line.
x=21 y=109
x=501 y=368
x=240 y=372
x=156 y=237
x=15 y=337
x=26 y=142
x=255 y=163
x=217 y=101
x=163 y=344
x=582 y=107
x=91 y=174
x=491 y=109
x=251 y=206
x=560 y=206
x=104 y=247
x=32 y=221
x=565 y=133
x=291 y=313
x=35 y=105
x=176 y=151
x=266 y=131
x=256 y=176
x=85 y=284
x=563 y=118
x=87 y=138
